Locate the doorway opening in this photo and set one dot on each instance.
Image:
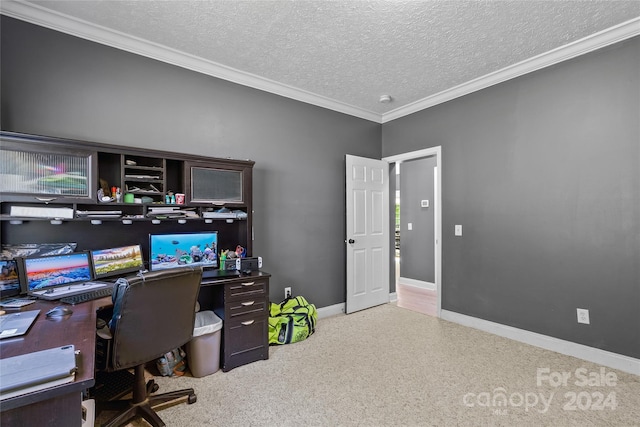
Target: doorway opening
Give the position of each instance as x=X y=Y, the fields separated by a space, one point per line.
x=417 y=230
x=414 y=236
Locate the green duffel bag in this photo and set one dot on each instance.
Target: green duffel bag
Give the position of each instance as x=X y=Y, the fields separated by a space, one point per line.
x=292 y=320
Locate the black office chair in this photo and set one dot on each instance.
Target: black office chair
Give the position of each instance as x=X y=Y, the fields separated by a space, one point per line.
x=153 y=313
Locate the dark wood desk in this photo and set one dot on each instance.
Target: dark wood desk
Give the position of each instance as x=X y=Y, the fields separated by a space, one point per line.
x=59 y=405
x=240 y=300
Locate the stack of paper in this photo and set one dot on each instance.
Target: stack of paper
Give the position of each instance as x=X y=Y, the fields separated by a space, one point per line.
x=41 y=212
x=170 y=212
x=99 y=214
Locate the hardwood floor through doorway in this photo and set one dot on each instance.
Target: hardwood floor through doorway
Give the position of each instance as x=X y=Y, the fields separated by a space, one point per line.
x=418 y=299
x=414 y=298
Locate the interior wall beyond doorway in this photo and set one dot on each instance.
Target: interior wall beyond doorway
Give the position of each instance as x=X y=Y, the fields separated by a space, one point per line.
x=417 y=234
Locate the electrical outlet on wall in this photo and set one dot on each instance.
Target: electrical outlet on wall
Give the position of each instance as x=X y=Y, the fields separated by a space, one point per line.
x=287 y=292
x=583 y=315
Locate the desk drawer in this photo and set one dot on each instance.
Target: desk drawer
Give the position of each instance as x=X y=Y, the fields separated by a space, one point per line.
x=256 y=307
x=248 y=341
x=245 y=329
x=246 y=290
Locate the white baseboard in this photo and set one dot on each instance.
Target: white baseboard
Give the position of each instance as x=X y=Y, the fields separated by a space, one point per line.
x=591 y=354
x=417 y=283
x=331 y=310
x=621 y=362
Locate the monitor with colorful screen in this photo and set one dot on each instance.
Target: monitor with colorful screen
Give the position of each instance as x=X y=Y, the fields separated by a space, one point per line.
x=179 y=249
x=49 y=272
x=9 y=281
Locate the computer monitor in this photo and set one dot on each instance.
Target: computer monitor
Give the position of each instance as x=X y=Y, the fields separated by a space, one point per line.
x=116 y=261
x=48 y=272
x=9 y=281
x=179 y=249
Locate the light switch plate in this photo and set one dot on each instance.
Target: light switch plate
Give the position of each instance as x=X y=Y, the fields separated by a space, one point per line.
x=458 y=230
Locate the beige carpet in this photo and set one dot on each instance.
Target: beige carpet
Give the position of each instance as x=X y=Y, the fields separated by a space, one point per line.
x=388 y=366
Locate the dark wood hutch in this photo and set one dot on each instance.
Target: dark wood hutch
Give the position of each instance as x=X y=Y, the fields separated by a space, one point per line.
x=49 y=194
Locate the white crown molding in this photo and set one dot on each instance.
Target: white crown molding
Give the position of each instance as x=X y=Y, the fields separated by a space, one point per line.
x=43 y=17
x=585 y=45
x=56 y=21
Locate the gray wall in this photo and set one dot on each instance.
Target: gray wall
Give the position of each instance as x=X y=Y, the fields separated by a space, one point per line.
x=417 y=245
x=58 y=85
x=543 y=172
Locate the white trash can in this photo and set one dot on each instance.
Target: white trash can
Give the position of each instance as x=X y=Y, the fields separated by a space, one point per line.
x=203 y=351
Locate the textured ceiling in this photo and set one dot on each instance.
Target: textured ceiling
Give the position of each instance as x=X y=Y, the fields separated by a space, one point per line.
x=354 y=51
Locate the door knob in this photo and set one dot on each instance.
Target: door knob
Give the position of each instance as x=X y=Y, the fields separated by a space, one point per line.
x=351 y=241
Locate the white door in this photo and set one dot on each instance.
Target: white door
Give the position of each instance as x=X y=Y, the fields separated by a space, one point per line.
x=367 y=237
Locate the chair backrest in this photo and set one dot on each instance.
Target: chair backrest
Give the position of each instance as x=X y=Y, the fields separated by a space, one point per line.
x=153 y=313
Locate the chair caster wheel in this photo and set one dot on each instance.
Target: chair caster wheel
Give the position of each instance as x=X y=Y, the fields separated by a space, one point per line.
x=192 y=399
x=152 y=387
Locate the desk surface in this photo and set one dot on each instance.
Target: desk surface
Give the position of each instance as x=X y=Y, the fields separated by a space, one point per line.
x=222 y=277
x=44 y=406
x=78 y=329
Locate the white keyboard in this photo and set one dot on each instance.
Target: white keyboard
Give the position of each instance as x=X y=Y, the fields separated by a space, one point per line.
x=65 y=291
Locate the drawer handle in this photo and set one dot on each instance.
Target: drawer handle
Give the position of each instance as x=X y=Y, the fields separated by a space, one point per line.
x=248 y=284
x=246 y=303
x=45 y=199
x=248 y=322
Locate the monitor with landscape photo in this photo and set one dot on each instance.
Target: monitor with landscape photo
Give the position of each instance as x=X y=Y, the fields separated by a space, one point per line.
x=119 y=261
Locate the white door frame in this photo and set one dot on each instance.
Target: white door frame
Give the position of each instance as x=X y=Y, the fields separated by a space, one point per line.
x=430 y=152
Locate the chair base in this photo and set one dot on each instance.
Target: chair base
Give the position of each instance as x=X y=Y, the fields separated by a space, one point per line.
x=128 y=410
x=143 y=403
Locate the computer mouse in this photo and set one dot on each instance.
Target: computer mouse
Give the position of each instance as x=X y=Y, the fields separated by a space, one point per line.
x=59 y=311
